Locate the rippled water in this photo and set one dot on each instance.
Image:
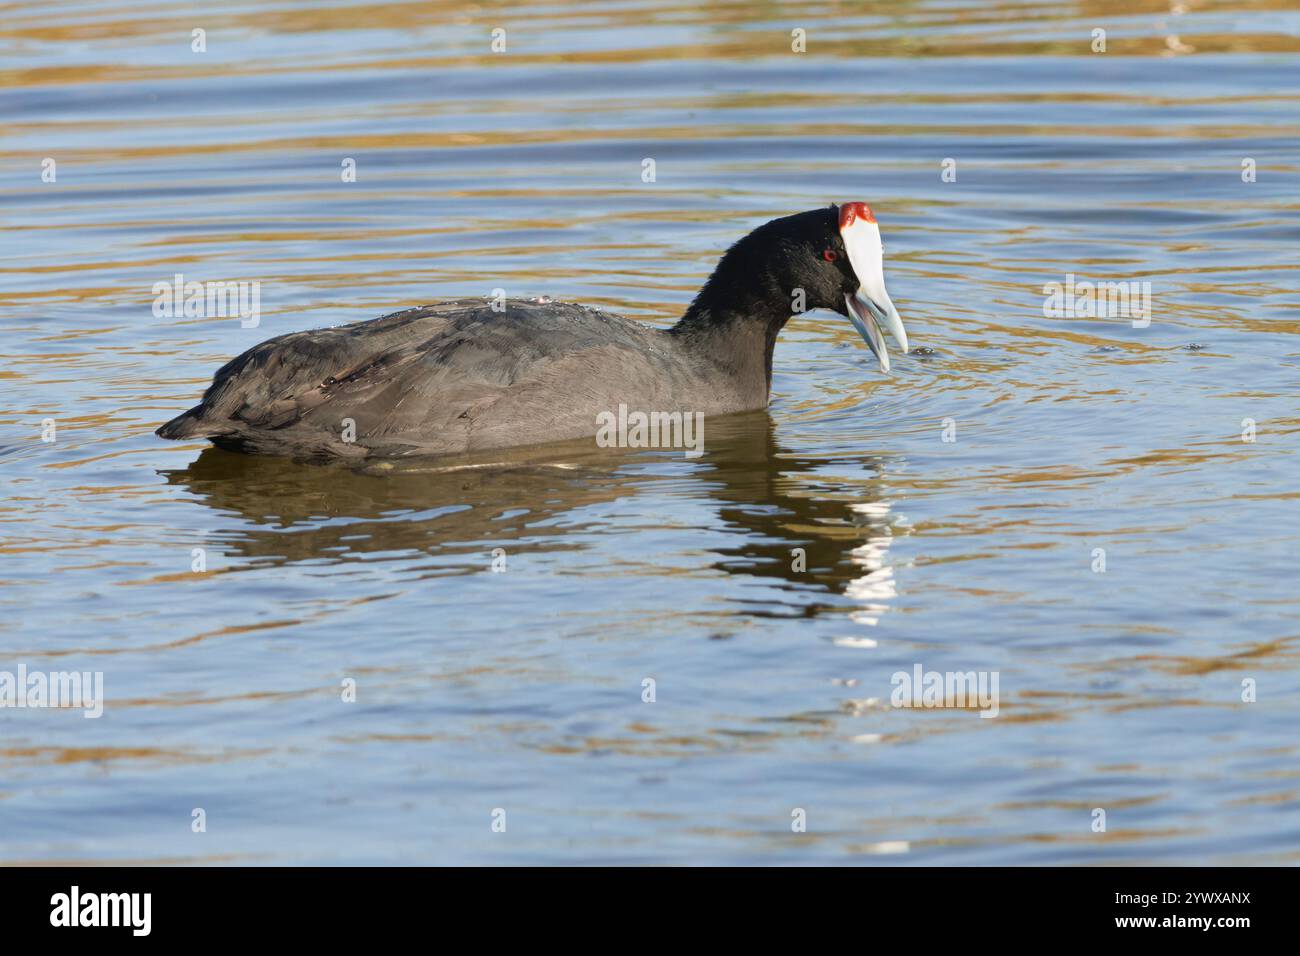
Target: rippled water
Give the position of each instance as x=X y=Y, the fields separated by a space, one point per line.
x=522 y=691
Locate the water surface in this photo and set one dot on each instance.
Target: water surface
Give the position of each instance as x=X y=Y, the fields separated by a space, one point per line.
x=522 y=691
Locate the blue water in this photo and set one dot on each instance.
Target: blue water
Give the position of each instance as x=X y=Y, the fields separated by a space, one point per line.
x=481 y=691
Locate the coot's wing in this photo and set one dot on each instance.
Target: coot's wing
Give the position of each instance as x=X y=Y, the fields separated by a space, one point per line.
x=414 y=382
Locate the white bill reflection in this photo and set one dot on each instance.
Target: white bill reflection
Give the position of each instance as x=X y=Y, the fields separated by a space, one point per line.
x=874 y=589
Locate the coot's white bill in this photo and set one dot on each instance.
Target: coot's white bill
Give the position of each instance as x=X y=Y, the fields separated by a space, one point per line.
x=869 y=307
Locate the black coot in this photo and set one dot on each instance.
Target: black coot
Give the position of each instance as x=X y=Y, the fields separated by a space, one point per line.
x=458 y=376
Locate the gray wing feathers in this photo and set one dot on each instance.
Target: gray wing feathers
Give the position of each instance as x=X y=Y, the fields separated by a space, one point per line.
x=431 y=380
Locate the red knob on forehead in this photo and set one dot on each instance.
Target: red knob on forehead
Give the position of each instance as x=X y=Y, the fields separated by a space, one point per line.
x=851 y=211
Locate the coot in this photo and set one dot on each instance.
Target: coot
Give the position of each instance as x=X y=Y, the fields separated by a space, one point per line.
x=460 y=376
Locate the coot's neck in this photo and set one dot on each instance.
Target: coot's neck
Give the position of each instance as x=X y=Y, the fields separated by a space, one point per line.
x=734 y=322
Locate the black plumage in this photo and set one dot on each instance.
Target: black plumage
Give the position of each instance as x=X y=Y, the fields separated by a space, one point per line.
x=459 y=376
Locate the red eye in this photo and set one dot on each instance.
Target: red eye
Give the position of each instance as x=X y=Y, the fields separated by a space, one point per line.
x=829 y=255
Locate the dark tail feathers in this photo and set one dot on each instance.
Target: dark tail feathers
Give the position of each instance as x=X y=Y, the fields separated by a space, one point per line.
x=190 y=425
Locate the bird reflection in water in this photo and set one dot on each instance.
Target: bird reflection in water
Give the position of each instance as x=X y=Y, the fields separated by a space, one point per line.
x=771 y=499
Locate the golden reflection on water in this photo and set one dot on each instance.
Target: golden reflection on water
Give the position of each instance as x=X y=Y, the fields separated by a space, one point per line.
x=523 y=170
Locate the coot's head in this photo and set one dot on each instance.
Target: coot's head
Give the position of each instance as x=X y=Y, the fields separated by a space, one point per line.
x=829 y=258
x=840 y=261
